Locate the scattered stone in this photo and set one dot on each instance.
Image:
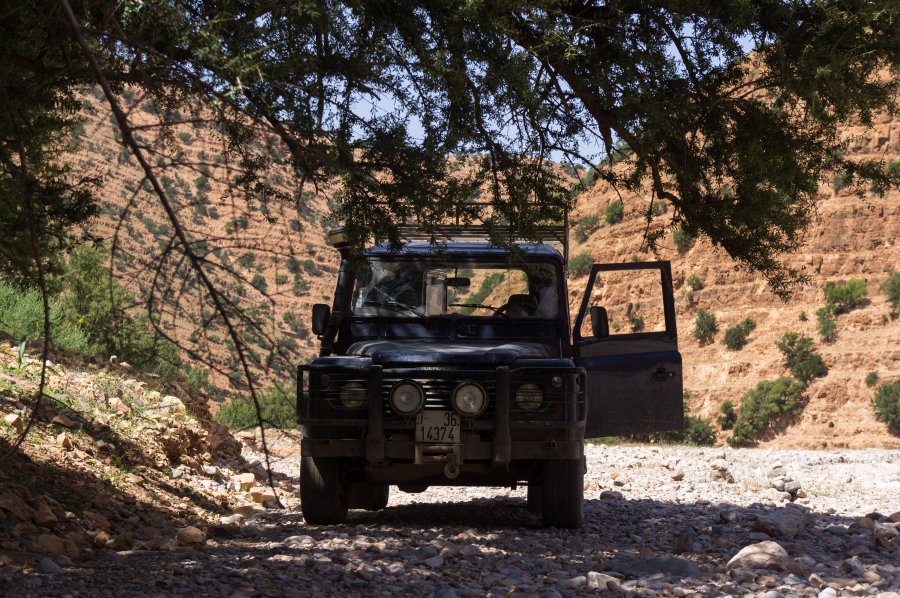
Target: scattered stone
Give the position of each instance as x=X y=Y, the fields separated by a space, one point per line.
x=261 y=494
x=575 y=583
x=678 y=475
x=190 y=536
x=669 y=565
x=763 y=555
x=211 y=470
x=49 y=566
x=236 y=519
x=837 y=529
x=611 y=495
x=97 y=520
x=43 y=514
x=786 y=523
x=64 y=440
x=63 y=421
x=601 y=581
x=117 y=404
x=15 y=421
x=244 y=481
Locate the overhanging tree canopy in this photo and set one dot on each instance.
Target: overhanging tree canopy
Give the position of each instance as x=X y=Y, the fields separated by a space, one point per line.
x=383 y=94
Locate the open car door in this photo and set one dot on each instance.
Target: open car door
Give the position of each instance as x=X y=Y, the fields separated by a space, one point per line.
x=625 y=339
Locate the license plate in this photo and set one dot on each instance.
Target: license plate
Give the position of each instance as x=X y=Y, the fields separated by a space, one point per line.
x=438 y=427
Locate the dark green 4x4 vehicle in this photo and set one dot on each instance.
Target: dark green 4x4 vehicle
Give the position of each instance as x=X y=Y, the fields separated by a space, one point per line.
x=456 y=364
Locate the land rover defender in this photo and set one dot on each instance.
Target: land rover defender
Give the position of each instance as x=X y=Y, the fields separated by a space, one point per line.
x=455 y=364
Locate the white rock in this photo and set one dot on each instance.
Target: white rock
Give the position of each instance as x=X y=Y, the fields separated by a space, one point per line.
x=763 y=555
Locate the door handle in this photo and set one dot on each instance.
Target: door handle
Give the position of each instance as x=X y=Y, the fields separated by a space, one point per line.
x=662 y=374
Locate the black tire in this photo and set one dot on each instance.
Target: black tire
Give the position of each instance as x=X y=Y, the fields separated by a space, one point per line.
x=371 y=497
x=562 y=493
x=323 y=496
x=534 y=498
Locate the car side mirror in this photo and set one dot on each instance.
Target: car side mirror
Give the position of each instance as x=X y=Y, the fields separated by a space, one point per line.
x=599 y=322
x=321 y=313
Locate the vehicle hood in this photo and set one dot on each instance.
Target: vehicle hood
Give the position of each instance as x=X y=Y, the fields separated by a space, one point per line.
x=450 y=352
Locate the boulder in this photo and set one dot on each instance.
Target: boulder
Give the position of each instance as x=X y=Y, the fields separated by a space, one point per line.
x=15 y=421
x=190 y=536
x=763 y=555
x=244 y=481
x=787 y=523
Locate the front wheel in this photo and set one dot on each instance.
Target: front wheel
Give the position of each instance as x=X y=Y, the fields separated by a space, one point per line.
x=323 y=497
x=562 y=492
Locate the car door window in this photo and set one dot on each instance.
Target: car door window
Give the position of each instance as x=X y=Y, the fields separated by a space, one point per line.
x=633 y=300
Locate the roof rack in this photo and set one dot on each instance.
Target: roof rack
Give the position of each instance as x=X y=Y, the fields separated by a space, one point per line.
x=552 y=234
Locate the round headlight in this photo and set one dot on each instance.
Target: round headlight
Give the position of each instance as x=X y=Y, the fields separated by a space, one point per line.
x=353 y=395
x=469 y=399
x=407 y=398
x=529 y=397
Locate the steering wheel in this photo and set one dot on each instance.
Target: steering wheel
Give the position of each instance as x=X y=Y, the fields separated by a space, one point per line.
x=522 y=305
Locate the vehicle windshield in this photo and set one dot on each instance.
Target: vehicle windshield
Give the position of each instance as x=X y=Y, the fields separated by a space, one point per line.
x=408 y=289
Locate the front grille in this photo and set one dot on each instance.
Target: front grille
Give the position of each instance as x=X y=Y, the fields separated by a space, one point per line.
x=329 y=392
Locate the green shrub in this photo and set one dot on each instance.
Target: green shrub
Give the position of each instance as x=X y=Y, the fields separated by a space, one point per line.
x=694 y=283
x=826 y=324
x=658 y=207
x=636 y=321
x=841 y=180
x=247 y=260
x=198 y=379
x=683 y=239
x=300 y=286
x=871 y=379
x=277 y=404
x=800 y=357
x=22 y=317
x=803 y=317
x=705 y=326
x=891 y=286
x=887 y=404
x=615 y=212
x=586 y=226
x=844 y=297
x=488 y=285
x=580 y=265
x=259 y=283
x=727 y=416
x=281 y=279
x=695 y=431
x=893 y=168
x=764 y=406
x=736 y=336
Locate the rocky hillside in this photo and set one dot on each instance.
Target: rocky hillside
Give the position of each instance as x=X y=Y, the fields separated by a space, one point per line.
x=115 y=463
x=850 y=238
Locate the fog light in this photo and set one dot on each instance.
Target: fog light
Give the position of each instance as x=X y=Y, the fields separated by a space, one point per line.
x=556 y=381
x=469 y=399
x=353 y=395
x=407 y=397
x=529 y=397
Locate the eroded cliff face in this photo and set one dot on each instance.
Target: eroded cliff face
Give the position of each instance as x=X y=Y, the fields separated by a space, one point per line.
x=849 y=238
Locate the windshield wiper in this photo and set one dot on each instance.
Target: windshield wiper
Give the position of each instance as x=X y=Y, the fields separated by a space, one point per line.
x=496 y=310
x=395 y=305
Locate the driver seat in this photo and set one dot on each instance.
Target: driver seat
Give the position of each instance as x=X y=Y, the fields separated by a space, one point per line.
x=518 y=306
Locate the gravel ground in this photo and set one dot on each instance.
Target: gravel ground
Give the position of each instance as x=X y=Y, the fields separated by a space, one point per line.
x=667 y=521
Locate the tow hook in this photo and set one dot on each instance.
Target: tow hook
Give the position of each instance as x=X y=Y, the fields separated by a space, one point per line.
x=451 y=469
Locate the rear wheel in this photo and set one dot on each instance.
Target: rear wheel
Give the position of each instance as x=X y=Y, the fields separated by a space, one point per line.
x=534 y=498
x=323 y=497
x=562 y=492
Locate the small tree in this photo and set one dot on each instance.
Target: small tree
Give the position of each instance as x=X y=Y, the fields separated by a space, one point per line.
x=764 y=406
x=891 y=286
x=800 y=357
x=844 y=297
x=727 y=416
x=736 y=336
x=615 y=212
x=887 y=404
x=705 y=326
x=826 y=324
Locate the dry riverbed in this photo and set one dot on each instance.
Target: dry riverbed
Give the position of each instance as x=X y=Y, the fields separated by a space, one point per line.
x=667 y=521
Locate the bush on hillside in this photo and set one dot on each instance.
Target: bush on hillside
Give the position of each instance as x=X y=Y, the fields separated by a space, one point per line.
x=891 y=286
x=580 y=265
x=887 y=404
x=871 y=379
x=705 y=326
x=844 y=297
x=696 y=431
x=22 y=317
x=826 y=324
x=615 y=212
x=694 y=283
x=277 y=404
x=800 y=357
x=727 y=416
x=763 y=406
x=683 y=239
x=586 y=226
x=736 y=336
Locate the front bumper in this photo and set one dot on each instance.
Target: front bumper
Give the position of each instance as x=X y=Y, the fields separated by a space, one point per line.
x=506 y=435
